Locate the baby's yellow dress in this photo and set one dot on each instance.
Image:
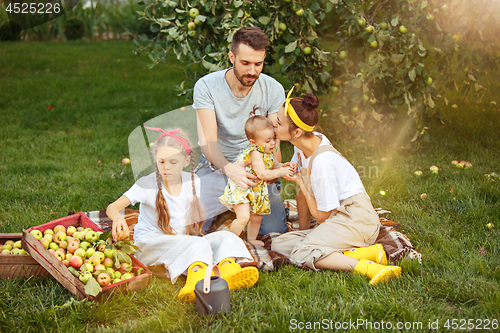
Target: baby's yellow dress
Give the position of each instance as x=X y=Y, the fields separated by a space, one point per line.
x=257 y=195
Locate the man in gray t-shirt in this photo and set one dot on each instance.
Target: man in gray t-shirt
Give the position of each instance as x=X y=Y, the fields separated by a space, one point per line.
x=223 y=101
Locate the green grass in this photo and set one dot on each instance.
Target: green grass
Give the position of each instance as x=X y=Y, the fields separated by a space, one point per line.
x=49 y=166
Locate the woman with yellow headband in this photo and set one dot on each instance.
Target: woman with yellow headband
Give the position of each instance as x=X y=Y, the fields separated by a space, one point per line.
x=329 y=189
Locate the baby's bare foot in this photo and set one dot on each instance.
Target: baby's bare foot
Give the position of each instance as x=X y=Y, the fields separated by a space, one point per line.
x=256 y=242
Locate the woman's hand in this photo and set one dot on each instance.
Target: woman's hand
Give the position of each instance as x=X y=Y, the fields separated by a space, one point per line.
x=296 y=178
x=293 y=165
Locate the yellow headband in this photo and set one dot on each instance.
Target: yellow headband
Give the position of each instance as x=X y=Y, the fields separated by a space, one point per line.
x=289 y=110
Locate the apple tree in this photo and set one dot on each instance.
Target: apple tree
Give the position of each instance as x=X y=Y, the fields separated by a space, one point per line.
x=385 y=57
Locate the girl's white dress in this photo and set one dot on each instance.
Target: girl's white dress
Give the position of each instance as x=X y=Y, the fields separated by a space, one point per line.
x=177 y=252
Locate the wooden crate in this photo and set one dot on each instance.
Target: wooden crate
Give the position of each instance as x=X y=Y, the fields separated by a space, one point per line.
x=62 y=274
x=19 y=265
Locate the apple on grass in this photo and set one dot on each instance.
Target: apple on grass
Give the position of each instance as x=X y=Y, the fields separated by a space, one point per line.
x=490 y=225
x=434 y=169
x=37 y=234
x=418 y=173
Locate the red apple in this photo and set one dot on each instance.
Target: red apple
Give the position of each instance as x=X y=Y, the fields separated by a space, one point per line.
x=108 y=262
x=73 y=246
x=103 y=279
x=75 y=261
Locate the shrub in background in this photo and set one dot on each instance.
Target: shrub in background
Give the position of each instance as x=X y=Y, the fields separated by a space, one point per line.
x=10 y=31
x=74 y=28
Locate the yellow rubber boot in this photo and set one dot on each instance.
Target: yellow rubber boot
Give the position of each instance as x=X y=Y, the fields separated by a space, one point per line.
x=236 y=276
x=376 y=272
x=374 y=253
x=194 y=275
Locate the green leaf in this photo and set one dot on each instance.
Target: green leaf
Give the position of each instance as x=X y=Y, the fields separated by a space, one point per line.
x=423 y=4
x=264 y=20
x=123 y=257
x=395 y=21
x=128 y=249
x=237 y=3
x=412 y=74
x=291 y=47
x=105 y=235
x=92 y=287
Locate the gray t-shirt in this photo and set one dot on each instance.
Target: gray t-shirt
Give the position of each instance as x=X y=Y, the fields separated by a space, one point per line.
x=212 y=92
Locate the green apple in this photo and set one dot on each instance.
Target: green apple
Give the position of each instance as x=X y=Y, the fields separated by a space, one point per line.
x=307 y=50
x=282 y=26
x=59 y=227
x=354 y=109
x=127 y=276
x=335 y=89
x=429 y=81
x=247 y=14
x=434 y=169
x=468 y=165
x=85 y=277
x=11 y=242
x=94 y=260
x=342 y=54
x=7 y=247
x=374 y=44
x=116 y=281
x=37 y=234
x=299 y=12
x=53 y=246
x=111 y=271
x=15 y=250
x=191 y=33
x=5 y=252
x=90 y=251
x=369 y=28
x=418 y=173
x=361 y=21
x=91 y=236
x=373 y=100
x=454 y=162
x=59 y=237
x=84 y=245
x=100 y=255
x=48 y=231
x=109 y=253
x=49 y=237
x=70 y=230
x=191 y=25
x=490 y=225
x=45 y=242
x=430 y=17
x=80 y=253
x=108 y=262
x=193 y=12
x=383 y=26
x=118 y=274
x=365 y=97
x=403 y=29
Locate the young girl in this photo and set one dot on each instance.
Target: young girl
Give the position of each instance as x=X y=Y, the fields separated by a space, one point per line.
x=169 y=209
x=252 y=203
x=330 y=189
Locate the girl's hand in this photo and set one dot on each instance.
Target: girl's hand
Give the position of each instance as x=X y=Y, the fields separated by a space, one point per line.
x=120 y=229
x=237 y=173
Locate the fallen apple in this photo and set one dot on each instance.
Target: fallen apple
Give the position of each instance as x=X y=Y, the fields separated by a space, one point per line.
x=490 y=225
x=423 y=196
x=418 y=173
x=434 y=169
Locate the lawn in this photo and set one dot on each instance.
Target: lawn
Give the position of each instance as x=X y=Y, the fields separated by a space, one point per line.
x=66 y=111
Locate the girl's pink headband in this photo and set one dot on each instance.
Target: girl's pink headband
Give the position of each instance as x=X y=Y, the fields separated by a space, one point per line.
x=172 y=134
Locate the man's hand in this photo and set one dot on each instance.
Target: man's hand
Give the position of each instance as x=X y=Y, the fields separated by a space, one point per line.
x=237 y=173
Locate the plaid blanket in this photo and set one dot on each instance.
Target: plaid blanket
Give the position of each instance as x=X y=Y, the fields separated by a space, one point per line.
x=396 y=244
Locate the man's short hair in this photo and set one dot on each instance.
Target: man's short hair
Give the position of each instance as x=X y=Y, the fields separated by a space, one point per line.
x=251 y=36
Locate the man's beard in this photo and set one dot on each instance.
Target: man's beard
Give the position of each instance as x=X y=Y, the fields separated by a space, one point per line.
x=242 y=77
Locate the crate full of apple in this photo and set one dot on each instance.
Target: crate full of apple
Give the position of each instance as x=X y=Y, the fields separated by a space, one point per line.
x=84 y=258
x=15 y=261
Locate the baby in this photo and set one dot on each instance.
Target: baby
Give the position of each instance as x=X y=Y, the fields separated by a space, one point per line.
x=250 y=204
